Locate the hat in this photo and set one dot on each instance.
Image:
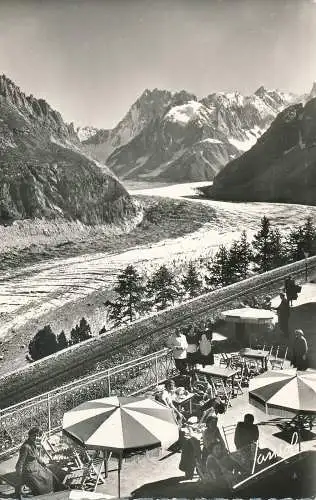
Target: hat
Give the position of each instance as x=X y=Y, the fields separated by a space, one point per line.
x=299 y=332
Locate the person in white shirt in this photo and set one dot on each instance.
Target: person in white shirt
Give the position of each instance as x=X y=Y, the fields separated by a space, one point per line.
x=179 y=345
x=164 y=395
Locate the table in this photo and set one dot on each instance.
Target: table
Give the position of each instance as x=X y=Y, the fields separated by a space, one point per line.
x=180 y=401
x=256 y=354
x=221 y=372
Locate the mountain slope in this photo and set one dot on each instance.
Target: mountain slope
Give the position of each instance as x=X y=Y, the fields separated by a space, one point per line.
x=44 y=172
x=175 y=138
x=281 y=167
x=150 y=106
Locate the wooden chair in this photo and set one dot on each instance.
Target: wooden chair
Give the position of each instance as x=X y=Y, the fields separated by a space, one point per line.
x=221 y=391
x=225 y=359
x=228 y=431
x=90 y=473
x=278 y=362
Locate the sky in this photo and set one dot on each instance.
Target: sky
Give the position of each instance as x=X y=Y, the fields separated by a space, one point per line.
x=91 y=59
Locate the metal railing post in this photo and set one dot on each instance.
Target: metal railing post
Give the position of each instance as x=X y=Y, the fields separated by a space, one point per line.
x=49 y=414
x=156 y=368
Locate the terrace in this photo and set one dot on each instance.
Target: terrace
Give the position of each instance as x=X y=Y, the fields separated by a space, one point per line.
x=139 y=377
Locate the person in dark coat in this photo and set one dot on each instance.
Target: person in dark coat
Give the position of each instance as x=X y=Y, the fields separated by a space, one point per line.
x=291 y=289
x=283 y=311
x=246 y=432
x=300 y=350
x=31 y=470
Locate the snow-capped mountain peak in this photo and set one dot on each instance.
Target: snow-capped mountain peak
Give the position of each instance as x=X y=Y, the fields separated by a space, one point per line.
x=174 y=136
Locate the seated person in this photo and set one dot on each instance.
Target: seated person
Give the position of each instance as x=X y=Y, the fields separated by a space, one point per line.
x=213 y=406
x=246 y=432
x=31 y=469
x=171 y=387
x=219 y=470
x=164 y=396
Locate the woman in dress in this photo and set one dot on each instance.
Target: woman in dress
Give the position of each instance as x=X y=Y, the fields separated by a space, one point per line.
x=193 y=339
x=31 y=470
x=206 y=348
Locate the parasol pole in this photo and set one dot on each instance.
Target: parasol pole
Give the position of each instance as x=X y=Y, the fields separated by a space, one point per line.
x=119 y=475
x=105 y=461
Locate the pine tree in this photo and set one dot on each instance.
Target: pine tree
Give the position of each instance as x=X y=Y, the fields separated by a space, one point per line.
x=302 y=239
x=278 y=249
x=43 y=343
x=219 y=271
x=239 y=258
x=268 y=247
x=192 y=282
x=62 y=340
x=81 y=332
x=130 y=301
x=162 y=288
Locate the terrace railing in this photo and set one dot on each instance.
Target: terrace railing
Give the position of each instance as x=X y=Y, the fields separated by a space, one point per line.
x=46 y=411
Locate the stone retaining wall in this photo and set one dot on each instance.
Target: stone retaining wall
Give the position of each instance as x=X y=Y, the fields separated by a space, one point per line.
x=143 y=336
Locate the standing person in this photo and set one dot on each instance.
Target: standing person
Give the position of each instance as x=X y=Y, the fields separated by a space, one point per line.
x=178 y=343
x=193 y=339
x=283 y=311
x=211 y=435
x=31 y=470
x=300 y=350
x=206 y=348
x=291 y=289
x=246 y=432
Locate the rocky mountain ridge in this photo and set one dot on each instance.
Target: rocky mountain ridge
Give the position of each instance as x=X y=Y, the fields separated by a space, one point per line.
x=174 y=137
x=43 y=170
x=281 y=167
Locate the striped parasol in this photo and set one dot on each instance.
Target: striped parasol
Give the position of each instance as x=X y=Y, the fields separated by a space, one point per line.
x=284 y=392
x=122 y=424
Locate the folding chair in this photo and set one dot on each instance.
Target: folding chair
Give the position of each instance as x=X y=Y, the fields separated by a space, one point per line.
x=278 y=363
x=274 y=353
x=241 y=378
x=225 y=359
x=228 y=431
x=57 y=451
x=221 y=390
x=90 y=473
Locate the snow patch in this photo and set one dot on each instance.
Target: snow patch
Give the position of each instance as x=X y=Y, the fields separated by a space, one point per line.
x=250 y=140
x=184 y=113
x=212 y=141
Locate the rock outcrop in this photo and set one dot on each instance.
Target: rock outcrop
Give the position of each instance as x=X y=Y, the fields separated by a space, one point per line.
x=281 y=167
x=43 y=169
